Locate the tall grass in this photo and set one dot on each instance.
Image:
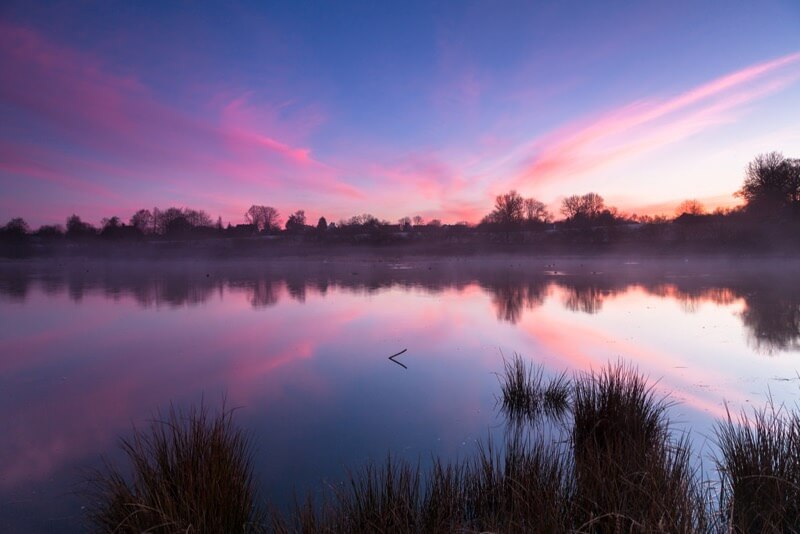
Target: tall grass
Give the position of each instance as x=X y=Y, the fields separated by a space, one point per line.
x=526 y=395
x=190 y=472
x=759 y=464
x=619 y=469
x=631 y=474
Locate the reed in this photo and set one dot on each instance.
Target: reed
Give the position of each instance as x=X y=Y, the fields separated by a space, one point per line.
x=526 y=395
x=759 y=465
x=191 y=472
x=619 y=469
x=631 y=474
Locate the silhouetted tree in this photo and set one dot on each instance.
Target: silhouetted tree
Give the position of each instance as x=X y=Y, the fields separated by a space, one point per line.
x=772 y=183
x=109 y=226
x=197 y=218
x=690 y=207
x=365 y=219
x=143 y=221
x=50 y=231
x=165 y=218
x=178 y=226
x=418 y=220
x=16 y=228
x=77 y=228
x=405 y=223
x=509 y=210
x=582 y=207
x=322 y=224
x=296 y=221
x=113 y=228
x=434 y=223
x=536 y=212
x=266 y=218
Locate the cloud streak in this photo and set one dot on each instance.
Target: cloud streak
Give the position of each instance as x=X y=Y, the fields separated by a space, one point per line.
x=642 y=126
x=110 y=125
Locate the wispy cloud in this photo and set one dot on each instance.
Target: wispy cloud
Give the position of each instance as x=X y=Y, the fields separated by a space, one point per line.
x=104 y=118
x=644 y=125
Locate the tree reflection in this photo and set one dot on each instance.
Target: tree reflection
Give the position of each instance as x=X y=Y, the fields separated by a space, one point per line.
x=773 y=320
x=770 y=302
x=510 y=298
x=584 y=298
x=263 y=294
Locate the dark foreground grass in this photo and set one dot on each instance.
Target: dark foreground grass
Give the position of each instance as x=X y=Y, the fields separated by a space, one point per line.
x=759 y=464
x=190 y=472
x=618 y=469
x=631 y=473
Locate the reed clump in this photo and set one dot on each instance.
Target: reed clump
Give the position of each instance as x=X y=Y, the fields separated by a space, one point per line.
x=631 y=474
x=525 y=394
x=190 y=472
x=618 y=467
x=759 y=465
x=619 y=470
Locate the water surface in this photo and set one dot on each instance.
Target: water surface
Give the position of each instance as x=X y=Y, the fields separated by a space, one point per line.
x=87 y=349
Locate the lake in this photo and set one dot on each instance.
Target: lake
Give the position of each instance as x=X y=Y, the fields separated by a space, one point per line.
x=90 y=348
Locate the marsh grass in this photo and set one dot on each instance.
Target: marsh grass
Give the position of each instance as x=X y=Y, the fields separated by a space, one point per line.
x=190 y=472
x=525 y=395
x=759 y=465
x=631 y=474
x=619 y=468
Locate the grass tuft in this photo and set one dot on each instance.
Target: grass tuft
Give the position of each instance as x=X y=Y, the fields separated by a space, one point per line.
x=191 y=472
x=759 y=464
x=631 y=474
x=526 y=396
x=622 y=470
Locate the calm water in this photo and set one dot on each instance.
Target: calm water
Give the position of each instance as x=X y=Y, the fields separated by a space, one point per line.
x=88 y=349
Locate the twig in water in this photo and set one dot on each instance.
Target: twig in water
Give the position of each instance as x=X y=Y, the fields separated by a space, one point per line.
x=395 y=361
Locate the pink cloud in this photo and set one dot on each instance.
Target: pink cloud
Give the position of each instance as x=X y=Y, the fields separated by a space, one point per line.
x=642 y=126
x=110 y=125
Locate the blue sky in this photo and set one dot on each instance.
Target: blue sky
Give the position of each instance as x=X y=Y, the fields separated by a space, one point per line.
x=391 y=108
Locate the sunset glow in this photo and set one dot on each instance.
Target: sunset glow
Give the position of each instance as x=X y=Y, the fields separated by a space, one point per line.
x=392 y=110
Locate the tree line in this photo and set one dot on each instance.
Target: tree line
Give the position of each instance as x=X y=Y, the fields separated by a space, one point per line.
x=771 y=194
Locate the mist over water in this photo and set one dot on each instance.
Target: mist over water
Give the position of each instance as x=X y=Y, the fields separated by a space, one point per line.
x=88 y=348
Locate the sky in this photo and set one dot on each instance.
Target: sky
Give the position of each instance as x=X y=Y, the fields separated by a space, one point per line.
x=390 y=108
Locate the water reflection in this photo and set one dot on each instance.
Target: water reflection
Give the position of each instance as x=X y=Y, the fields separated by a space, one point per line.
x=770 y=314
x=88 y=347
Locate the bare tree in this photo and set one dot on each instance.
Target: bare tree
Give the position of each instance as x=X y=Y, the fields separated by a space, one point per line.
x=772 y=182
x=691 y=207
x=588 y=206
x=167 y=218
x=536 y=211
x=266 y=218
x=509 y=209
x=197 y=218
